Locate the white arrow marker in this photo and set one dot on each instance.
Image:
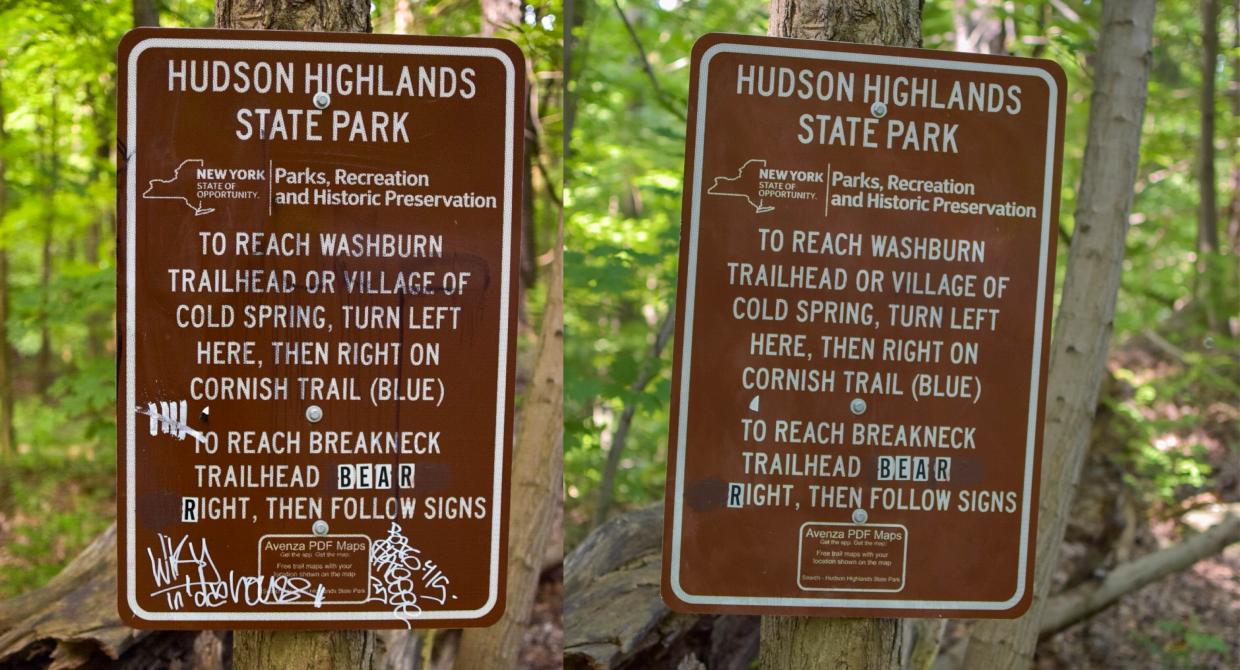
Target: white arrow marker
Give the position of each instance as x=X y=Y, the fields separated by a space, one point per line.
x=753 y=404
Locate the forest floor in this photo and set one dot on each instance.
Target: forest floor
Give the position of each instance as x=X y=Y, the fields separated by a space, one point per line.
x=1190 y=619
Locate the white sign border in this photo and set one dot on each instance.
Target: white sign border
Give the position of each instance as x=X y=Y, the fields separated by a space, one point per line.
x=687 y=334
x=131 y=134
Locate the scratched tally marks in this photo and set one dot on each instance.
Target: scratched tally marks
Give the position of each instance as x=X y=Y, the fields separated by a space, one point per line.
x=867 y=260
x=316 y=306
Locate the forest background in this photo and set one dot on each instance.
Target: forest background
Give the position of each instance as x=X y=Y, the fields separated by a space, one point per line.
x=1166 y=439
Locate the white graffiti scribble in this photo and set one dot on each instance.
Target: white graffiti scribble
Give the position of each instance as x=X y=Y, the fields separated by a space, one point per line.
x=184 y=570
x=401 y=577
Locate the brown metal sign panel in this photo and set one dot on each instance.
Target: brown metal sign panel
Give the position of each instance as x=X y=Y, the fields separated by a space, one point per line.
x=316 y=303
x=867 y=261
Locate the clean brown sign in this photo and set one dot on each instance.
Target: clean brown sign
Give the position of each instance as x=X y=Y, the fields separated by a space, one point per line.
x=867 y=262
x=317 y=302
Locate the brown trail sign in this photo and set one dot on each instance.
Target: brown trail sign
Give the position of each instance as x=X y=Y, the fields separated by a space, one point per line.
x=866 y=274
x=317 y=303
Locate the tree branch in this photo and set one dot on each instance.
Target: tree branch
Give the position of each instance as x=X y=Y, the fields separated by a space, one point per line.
x=660 y=95
x=620 y=435
x=1089 y=598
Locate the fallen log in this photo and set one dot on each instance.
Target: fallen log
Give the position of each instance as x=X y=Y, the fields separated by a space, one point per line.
x=615 y=618
x=74 y=614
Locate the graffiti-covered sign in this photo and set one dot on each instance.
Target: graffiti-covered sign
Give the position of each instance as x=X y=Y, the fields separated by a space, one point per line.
x=316 y=304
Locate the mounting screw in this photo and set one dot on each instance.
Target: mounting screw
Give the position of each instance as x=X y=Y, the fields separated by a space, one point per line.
x=859 y=516
x=322 y=100
x=878 y=109
x=320 y=526
x=857 y=406
x=314 y=414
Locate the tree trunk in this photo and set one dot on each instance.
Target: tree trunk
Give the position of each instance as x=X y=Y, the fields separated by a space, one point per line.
x=6 y=373
x=620 y=435
x=537 y=484
x=1208 y=283
x=795 y=643
x=1234 y=220
x=1207 y=211
x=890 y=22
x=98 y=326
x=43 y=362
x=1233 y=225
x=1087 y=307
x=402 y=17
x=299 y=650
x=342 y=16
x=145 y=13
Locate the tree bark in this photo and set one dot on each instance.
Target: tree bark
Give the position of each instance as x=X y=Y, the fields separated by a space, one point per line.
x=537 y=484
x=807 y=642
x=298 y=650
x=1087 y=307
x=890 y=22
x=344 y=16
x=1208 y=282
x=145 y=13
x=795 y=643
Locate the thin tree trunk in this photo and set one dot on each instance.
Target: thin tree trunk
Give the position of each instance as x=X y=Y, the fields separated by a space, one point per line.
x=402 y=17
x=6 y=374
x=620 y=435
x=1087 y=308
x=98 y=329
x=43 y=371
x=299 y=650
x=537 y=484
x=145 y=13
x=797 y=643
x=1233 y=225
x=1208 y=283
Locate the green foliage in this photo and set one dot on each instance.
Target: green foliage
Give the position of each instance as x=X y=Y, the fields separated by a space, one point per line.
x=62 y=496
x=1184 y=646
x=623 y=230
